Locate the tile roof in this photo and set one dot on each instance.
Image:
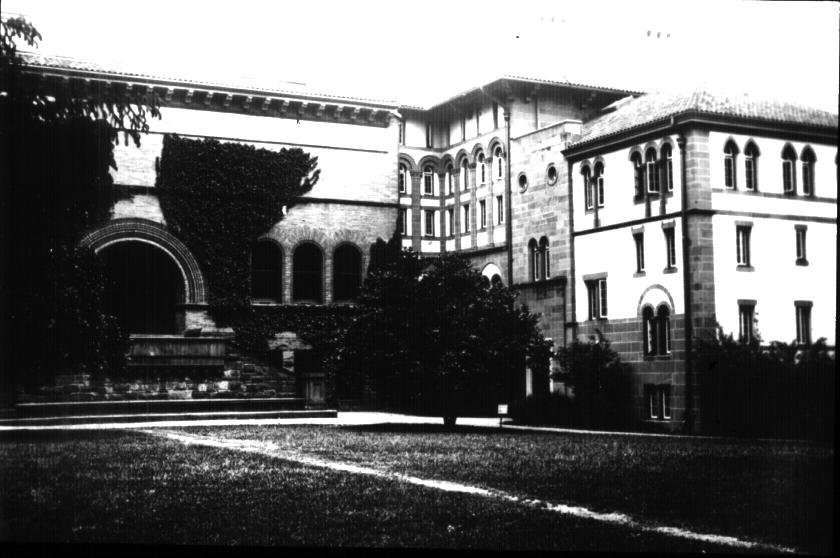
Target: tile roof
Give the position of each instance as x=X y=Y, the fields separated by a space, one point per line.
x=654 y=107
x=267 y=86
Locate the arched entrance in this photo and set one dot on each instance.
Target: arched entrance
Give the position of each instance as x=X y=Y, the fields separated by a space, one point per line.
x=145 y=286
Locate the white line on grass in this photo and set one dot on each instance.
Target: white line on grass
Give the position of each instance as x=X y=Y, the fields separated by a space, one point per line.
x=616 y=518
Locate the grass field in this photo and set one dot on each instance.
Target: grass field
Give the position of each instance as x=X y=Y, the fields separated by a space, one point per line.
x=132 y=487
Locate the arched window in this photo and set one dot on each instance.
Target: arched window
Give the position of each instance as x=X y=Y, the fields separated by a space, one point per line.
x=544 y=269
x=532 y=259
x=482 y=169
x=347 y=272
x=402 y=179
x=266 y=271
x=663 y=319
x=808 y=160
x=649 y=331
x=428 y=181
x=668 y=166
x=308 y=274
x=586 y=175
x=651 y=171
x=465 y=171
x=449 y=187
x=500 y=163
x=598 y=183
x=638 y=175
x=730 y=154
x=751 y=167
x=789 y=170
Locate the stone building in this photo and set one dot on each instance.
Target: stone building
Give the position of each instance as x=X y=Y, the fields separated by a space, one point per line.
x=647 y=217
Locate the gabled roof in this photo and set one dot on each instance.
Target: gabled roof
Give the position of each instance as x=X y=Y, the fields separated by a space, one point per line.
x=656 y=107
x=117 y=70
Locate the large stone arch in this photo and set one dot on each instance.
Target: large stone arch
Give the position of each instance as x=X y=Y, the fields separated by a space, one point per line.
x=142 y=230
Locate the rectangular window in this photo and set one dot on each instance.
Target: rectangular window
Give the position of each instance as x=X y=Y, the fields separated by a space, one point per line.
x=652 y=177
x=587 y=192
x=449 y=182
x=450 y=220
x=500 y=210
x=402 y=133
x=465 y=222
x=749 y=167
x=429 y=223
x=404 y=220
x=463 y=128
x=801 y=253
x=659 y=401
x=600 y=191
x=597 y=291
x=787 y=175
x=495 y=116
x=639 y=238
x=401 y=181
x=803 y=321
x=428 y=135
x=670 y=248
x=807 y=178
x=742 y=240
x=669 y=173
x=482 y=211
x=729 y=171
x=746 y=319
x=428 y=183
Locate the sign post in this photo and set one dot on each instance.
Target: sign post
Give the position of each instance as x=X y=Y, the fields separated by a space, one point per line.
x=503 y=411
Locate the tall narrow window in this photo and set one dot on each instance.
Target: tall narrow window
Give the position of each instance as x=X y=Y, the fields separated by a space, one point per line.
x=266 y=271
x=495 y=116
x=428 y=223
x=639 y=239
x=545 y=259
x=463 y=128
x=803 y=321
x=751 y=167
x=481 y=169
x=789 y=170
x=587 y=186
x=347 y=272
x=649 y=331
x=597 y=298
x=599 y=183
x=428 y=181
x=746 y=320
x=801 y=252
x=465 y=222
x=668 y=167
x=429 y=135
x=651 y=171
x=808 y=160
x=402 y=179
x=497 y=157
x=404 y=220
x=465 y=174
x=449 y=181
x=638 y=175
x=500 y=210
x=450 y=221
x=482 y=212
x=663 y=319
x=532 y=260
x=308 y=274
x=670 y=248
x=730 y=152
x=659 y=401
x=742 y=240
x=402 y=132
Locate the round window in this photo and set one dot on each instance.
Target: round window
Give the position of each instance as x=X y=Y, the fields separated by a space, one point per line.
x=551 y=173
x=523 y=181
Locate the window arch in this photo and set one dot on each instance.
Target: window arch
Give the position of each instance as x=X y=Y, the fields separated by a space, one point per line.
x=347 y=272
x=789 y=170
x=808 y=159
x=402 y=179
x=586 y=175
x=544 y=266
x=482 y=169
x=730 y=156
x=667 y=153
x=532 y=259
x=598 y=183
x=751 y=167
x=638 y=175
x=308 y=274
x=499 y=162
x=266 y=271
x=651 y=171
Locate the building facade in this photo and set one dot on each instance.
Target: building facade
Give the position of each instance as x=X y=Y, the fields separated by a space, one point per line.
x=649 y=218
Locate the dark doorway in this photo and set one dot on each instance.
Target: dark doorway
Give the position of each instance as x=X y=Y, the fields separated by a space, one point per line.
x=144 y=287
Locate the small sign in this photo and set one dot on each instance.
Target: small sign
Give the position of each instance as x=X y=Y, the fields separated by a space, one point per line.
x=503 y=409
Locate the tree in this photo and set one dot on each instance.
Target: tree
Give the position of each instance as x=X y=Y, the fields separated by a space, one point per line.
x=433 y=335
x=56 y=147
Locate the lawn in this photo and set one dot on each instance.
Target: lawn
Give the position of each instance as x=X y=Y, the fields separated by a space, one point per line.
x=123 y=486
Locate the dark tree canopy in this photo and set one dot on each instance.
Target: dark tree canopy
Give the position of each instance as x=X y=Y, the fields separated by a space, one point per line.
x=433 y=337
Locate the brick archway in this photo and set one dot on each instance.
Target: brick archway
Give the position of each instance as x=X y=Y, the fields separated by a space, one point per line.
x=125 y=230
